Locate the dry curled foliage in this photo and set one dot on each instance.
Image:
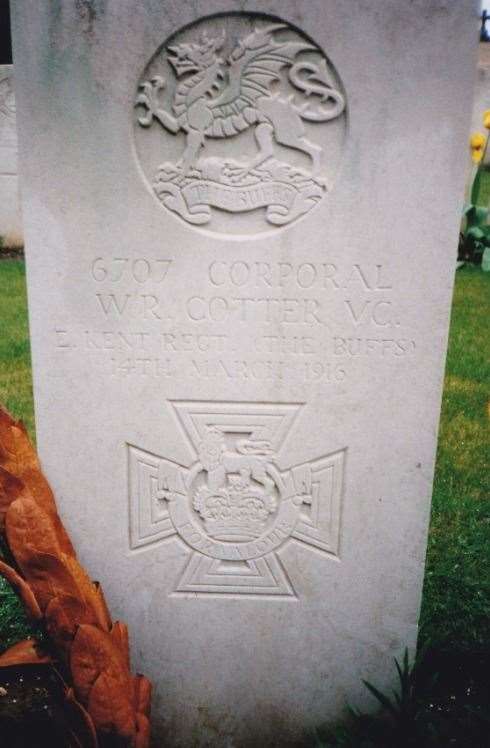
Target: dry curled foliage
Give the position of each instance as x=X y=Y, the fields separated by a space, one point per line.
x=103 y=700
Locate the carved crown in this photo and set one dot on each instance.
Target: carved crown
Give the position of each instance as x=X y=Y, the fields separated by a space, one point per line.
x=238 y=511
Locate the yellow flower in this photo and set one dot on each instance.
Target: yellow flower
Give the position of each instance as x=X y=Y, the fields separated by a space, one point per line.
x=477 y=145
x=486 y=119
x=477 y=155
x=477 y=140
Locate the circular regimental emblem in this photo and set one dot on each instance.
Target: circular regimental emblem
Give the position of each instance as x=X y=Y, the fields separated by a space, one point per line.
x=239 y=123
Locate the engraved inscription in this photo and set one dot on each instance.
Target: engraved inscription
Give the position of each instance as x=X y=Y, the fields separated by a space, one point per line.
x=334 y=318
x=232 y=506
x=248 y=103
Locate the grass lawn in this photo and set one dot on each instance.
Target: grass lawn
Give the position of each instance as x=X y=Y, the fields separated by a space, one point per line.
x=15 y=359
x=16 y=395
x=456 y=605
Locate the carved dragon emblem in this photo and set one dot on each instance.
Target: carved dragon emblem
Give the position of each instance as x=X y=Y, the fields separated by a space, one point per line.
x=219 y=98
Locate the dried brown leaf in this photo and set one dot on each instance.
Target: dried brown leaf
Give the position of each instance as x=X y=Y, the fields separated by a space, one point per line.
x=92 y=653
x=40 y=491
x=30 y=530
x=142 y=694
x=26 y=652
x=77 y=618
x=48 y=578
x=88 y=658
x=32 y=537
x=18 y=457
x=120 y=639
x=142 y=731
x=81 y=724
x=11 y=488
x=63 y=615
x=16 y=451
x=39 y=488
x=89 y=592
x=102 y=681
x=22 y=589
x=111 y=708
x=102 y=611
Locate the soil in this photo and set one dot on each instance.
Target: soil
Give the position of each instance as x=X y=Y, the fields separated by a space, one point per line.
x=12 y=254
x=453 y=697
x=31 y=714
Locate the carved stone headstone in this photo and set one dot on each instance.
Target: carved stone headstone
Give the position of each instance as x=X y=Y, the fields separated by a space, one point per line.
x=10 y=218
x=237 y=333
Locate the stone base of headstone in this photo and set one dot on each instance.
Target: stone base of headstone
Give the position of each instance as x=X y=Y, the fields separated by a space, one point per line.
x=10 y=215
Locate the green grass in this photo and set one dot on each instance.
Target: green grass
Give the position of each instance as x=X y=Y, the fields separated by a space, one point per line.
x=15 y=358
x=456 y=604
x=13 y=623
x=16 y=395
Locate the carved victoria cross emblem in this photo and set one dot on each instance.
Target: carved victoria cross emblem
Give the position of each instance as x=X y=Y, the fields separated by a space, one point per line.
x=232 y=506
x=215 y=82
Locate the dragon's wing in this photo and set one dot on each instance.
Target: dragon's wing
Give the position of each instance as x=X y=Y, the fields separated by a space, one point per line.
x=253 y=65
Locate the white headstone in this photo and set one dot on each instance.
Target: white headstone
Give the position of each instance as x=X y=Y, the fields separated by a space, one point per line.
x=481 y=100
x=10 y=218
x=241 y=232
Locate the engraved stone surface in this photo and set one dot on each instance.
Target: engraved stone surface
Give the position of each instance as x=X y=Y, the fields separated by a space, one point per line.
x=238 y=337
x=221 y=77
x=232 y=504
x=10 y=218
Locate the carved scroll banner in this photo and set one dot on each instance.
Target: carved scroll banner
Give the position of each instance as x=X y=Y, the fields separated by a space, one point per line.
x=283 y=201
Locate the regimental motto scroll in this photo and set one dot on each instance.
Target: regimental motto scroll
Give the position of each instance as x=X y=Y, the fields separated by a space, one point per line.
x=232 y=506
x=239 y=114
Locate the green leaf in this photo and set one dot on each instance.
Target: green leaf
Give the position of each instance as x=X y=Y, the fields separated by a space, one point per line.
x=477 y=215
x=383 y=700
x=475 y=189
x=476 y=232
x=481 y=214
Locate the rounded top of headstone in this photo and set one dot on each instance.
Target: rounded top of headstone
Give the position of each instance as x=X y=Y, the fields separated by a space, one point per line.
x=240 y=122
